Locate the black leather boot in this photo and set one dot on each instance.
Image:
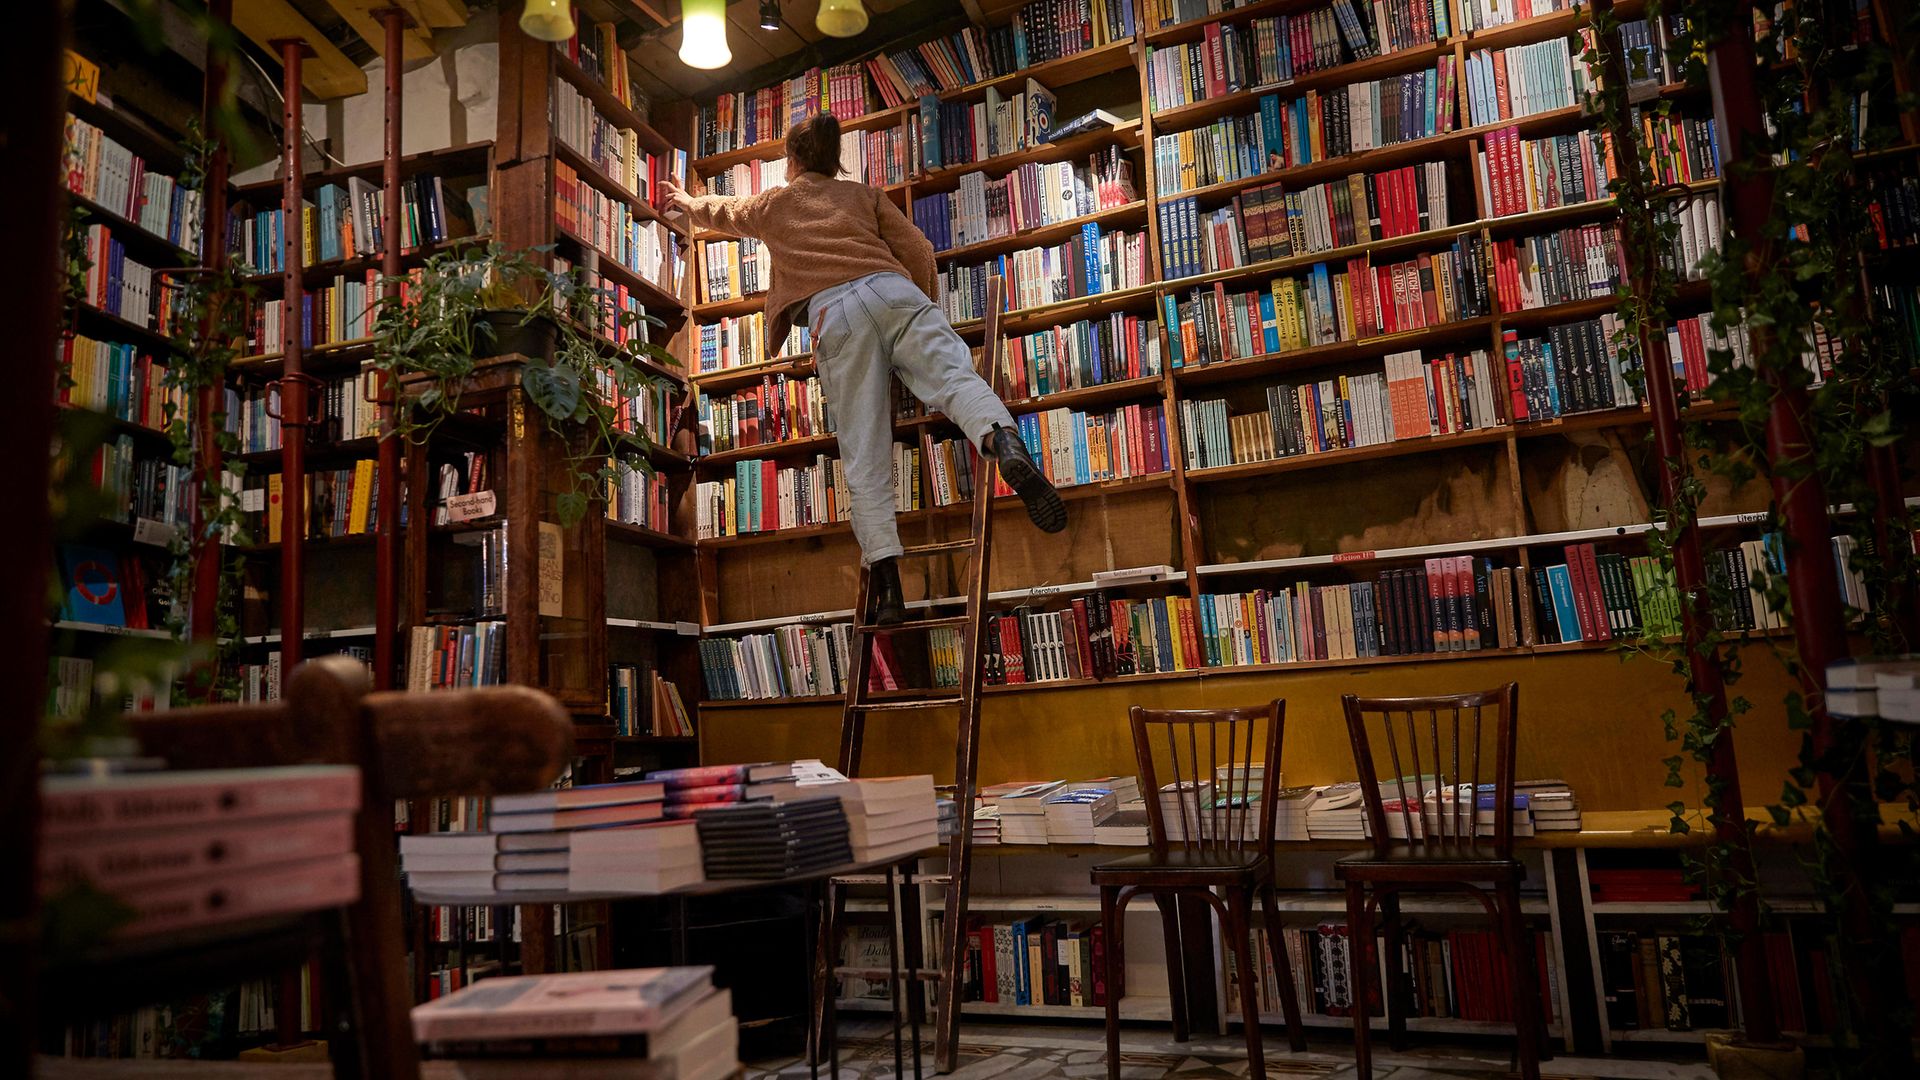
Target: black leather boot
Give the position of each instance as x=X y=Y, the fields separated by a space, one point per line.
x=1018 y=469
x=883 y=585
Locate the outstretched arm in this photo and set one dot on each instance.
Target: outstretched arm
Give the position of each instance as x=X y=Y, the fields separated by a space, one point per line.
x=907 y=243
x=738 y=215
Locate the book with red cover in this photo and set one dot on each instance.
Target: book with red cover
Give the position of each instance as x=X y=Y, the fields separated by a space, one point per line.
x=122 y=859
x=80 y=804
x=1582 y=605
x=276 y=889
x=1596 y=600
x=624 y=1002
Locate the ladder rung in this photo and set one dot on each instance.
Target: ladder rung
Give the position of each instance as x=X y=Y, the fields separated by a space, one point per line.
x=881 y=879
x=915 y=624
x=934 y=549
x=920 y=703
x=876 y=973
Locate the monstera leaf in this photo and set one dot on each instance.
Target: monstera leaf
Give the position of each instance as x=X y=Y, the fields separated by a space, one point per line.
x=555 y=389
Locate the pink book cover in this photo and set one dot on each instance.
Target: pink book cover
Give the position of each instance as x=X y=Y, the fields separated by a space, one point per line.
x=578 y=817
x=586 y=795
x=74 y=805
x=277 y=889
x=120 y=860
x=629 y=1002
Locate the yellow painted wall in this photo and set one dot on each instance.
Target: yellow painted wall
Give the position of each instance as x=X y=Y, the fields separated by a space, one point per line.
x=1590 y=718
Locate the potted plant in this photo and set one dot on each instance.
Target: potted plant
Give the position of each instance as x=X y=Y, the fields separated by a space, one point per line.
x=481 y=304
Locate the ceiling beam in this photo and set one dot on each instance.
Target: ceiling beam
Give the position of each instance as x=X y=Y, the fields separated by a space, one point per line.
x=438 y=14
x=327 y=74
x=416 y=41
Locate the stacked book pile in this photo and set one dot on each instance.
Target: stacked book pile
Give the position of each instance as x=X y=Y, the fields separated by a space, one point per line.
x=946 y=818
x=1186 y=808
x=703 y=787
x=1338 y=812
x=1023 y=810
x=188 y=849
x=1884 y=686
x=600 y=838
x=770 y=840
x=641 y=1024
x=887 y=818
x=1074 y=810
x=986 y=824
x=1552 y=803
x=1125 y=827
x=1447 y=816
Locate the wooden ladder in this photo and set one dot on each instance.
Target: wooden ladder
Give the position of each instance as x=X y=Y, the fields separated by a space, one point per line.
x=965 y=698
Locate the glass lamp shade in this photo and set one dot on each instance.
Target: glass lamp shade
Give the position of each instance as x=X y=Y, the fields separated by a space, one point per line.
x=547 y=20
x=841 y=18
x=703 y=34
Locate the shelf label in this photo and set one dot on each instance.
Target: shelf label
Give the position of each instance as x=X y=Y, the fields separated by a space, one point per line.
x=687 y=629
x=157 y=533
x=1354 y=556
x=1043 y=590
x=471 y=506
x=81 y=77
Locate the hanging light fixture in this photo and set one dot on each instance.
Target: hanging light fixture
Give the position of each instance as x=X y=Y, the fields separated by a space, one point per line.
x=769 y=14
x=841 y=18
x=547 y=20
x=703 y=34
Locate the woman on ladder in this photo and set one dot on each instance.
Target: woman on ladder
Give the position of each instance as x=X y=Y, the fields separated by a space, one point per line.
x=850 y=264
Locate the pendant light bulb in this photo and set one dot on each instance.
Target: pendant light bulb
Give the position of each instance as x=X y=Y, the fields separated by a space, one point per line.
x=703 y=34
x=841 y=18
x=769 y=14
x=547 y=20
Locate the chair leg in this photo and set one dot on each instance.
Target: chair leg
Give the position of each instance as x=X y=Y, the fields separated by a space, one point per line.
x=1526 y=980
x=1169 y=905
x=1111 y=917
x=1283 y=972
x=1240 y=933
x=1359 y=935
x=1398 y=995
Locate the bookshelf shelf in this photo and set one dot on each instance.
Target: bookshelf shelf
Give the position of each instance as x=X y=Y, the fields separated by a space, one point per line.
x=312 y=543
x=642 y=624
x=120 y=325
x=1195 y=113
x=1195 y=29
x=1132 y=213
x=651 y=296
x=1441 y=235
x=108 y=631
x=1335 y=352
x=613 y=189
x=312 y=635
x=116 y=425
x=133 y=131
x=317 y=453
x=1086 y=396
x=1040 y=316
x=645 y=537
x=709 y=310
x=786 y=448
x=938 y=181
x=1376 y=452
x=333 y=352
x=321 y=273
x=612 y=107
x=1062 y=71
x=797 y=365
x=138 y=238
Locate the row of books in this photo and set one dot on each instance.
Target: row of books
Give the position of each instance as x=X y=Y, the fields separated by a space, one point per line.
x=948 y=134
x=471 y=654
x=121 y=285
x=1518 y=176
x=761 y=496
x=881 y=157
x=749 y=118
x=1486 y=14
x=1579 y=262
x=1031 y=196
x=1074 y=447
x=349 y=220
x=1673 y=981
x=1457 y=974
x=1086 y=352
x=1329 y=304
x=1359 y=116
x=342 y=311
x=1032 y=961
x=735 y=269
x=617 y=151
x=119 y=380
x=340 y=502
x=99 y=168
x=1573 y=368
x=609 y=225
x=652 y=408
x=346 y=404
x=742 y=339
x=595 y=49
x=1091 y=262
x=640 y=702
x=1041 y=31
x=1891 y=196
x=639 y=497
x=1696 y=234
x=142 y=485
x=788 y=661
x=1230 y=57
x=1684 y=148
x=780 y=409
x=1522 y=80
x=102 y=587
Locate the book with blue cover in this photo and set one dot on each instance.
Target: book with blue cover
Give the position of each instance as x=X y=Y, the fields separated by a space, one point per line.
x=1560 y=582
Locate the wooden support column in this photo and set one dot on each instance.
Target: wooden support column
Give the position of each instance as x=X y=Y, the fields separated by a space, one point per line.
x=1874 y=980
x=1696 y=608
x=294 y=409
x=30 y=218
x=386 y=549
x=214 y=96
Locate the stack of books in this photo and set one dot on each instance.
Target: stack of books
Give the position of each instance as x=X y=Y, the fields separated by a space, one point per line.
x=887 y=817
x=596 y=838
x=1552 y=803
x=1023 y=811
x=1074 y=810
x=1338 y=812
x=1290 y=812
x=1126 y=827
x=1186 y=808
x=946 y=818
x=652 y=1022
x=187 y=849
x=986 y=825
x=771 y=840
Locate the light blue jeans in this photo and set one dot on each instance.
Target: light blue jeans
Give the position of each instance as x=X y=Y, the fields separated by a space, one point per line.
x=864 y=330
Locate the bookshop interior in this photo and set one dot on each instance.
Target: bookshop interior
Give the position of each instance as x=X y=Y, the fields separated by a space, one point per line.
x=706 y=539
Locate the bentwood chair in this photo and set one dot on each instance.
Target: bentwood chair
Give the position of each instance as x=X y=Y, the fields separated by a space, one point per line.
x=1210 y=831
x=1441 y=820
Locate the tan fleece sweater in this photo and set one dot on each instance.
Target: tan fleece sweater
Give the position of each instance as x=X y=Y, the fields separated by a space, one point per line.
x=821 y=232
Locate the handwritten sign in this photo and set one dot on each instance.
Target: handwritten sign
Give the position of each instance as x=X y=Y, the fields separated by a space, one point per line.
x=471 y=506
x=553 y=572
x=81 y=77
x=1353 y=556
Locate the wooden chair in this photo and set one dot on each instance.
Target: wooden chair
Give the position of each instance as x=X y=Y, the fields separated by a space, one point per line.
x=1216 y=851
x=1435 y=745
x=408 y=746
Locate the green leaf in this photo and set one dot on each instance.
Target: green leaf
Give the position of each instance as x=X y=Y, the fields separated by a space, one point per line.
x=554 y=389
x=570 y=507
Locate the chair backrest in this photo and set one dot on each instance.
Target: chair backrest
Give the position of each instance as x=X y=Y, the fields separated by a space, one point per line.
x=1210 y=797
x=1448 y=765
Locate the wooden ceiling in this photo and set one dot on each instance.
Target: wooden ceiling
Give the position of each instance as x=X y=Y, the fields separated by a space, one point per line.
x=342 y=34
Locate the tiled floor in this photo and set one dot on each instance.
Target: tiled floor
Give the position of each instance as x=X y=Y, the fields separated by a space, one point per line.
x=1031 y=1052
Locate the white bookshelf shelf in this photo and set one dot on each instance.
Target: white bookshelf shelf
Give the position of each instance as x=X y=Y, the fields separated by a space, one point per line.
x=111 y=631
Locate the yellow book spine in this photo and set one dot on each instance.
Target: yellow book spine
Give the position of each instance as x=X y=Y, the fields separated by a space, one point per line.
x=362 y=495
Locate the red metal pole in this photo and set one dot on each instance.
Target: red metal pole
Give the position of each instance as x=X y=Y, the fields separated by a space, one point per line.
x=1873 y=977
x=213 y=257
x=293 y=379
x=386 y=556
x=1696 y=613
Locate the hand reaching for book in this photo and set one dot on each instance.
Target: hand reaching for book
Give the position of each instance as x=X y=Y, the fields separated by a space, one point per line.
x=677 y=197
